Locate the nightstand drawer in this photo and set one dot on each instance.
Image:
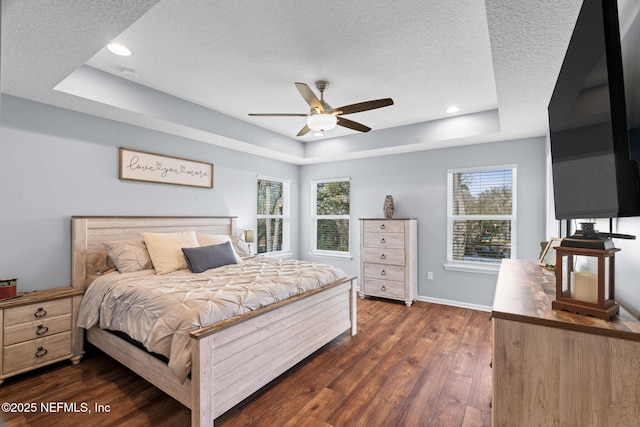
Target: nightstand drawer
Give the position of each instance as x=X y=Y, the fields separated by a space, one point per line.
x=384 y=240
x=383 y=256
x=39 y=311
x=380 y=225
x=30 y=354
x=384 y=288
x=36 y=329
x=384 y=272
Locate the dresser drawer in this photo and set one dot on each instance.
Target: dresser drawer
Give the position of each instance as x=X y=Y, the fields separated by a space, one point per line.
x=384 y=256
x=36 y=329
x=38 y=311
x=384 y=288
x=384 y=240
x=384 y=271
x=381 y=225
x=30 y=354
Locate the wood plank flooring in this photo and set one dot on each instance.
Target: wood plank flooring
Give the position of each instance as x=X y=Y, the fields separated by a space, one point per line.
x=424 y=365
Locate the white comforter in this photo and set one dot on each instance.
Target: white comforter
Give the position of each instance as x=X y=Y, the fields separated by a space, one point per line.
x=159 y=311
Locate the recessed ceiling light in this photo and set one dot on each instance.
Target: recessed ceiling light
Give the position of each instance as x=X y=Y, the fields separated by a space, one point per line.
x=453 y=109
x=119 y=49
x=318 y=134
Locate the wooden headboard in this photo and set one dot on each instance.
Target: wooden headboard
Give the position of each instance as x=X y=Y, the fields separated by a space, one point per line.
x=88 y=233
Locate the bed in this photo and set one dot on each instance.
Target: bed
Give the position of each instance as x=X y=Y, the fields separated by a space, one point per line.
x=270 y=339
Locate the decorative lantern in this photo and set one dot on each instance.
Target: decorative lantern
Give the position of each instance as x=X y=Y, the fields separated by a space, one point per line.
x=585 y=275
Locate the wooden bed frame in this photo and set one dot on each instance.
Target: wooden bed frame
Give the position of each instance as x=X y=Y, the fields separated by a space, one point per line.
x=232 y=359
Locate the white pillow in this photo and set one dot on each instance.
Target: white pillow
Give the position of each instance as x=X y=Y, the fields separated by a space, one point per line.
x=129 y=255
x=165 y=249
x=241 y=247
x=217 y=239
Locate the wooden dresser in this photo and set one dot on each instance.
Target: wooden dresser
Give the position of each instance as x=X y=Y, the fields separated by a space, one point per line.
x=388 y=258
x=554 y=368
x=36 y=329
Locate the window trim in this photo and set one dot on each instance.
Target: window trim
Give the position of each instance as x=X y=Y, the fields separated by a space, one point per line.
x=286 y=217
x=314 y=251
x=479 y=266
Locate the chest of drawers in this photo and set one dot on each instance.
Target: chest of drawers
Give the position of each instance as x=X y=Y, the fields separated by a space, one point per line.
x=37 y=329
x=388 y=258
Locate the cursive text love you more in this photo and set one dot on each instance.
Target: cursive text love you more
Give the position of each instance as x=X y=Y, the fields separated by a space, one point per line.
x=158 y=167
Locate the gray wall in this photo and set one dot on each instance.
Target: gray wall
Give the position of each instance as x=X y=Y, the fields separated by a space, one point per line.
x=627 y=265
x=57 y=163
x=418 y=183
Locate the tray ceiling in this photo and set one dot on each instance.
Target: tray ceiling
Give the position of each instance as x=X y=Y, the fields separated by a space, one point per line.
x=199 y=67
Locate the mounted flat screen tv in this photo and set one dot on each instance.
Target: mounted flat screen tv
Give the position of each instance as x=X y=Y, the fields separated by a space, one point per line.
x=595 y=174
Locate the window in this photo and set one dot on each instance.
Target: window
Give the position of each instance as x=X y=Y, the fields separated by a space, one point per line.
x=330 y=217
x=273 y=215
x=481 y=216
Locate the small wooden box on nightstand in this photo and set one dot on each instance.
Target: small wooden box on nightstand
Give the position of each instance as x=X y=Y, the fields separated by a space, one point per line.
x=38 y=328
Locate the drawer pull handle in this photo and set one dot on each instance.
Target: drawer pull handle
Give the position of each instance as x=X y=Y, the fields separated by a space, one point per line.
x=383 y=256
x=41 y=352
x=383 y=241
x=42 y=330
x=383 y=273
x=381 y=226
x=41 y=312
x=383 y=288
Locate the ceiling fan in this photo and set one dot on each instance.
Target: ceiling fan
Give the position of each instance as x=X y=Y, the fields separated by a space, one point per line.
x=323 y=117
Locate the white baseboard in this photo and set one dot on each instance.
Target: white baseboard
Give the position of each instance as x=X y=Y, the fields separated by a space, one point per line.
x=455 y=303
x=446 y=302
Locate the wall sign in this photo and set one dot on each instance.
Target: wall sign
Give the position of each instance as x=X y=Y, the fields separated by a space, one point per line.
x=142 y=166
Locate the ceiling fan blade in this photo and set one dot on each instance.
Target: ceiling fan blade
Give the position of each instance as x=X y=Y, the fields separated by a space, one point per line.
x=352 y=125
x=310 y=97
x=305 y=130
x=364 y=106
x=278 y=114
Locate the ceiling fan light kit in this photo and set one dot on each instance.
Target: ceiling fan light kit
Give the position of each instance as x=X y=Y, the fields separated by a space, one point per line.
x=323 y=117
x=322 y=122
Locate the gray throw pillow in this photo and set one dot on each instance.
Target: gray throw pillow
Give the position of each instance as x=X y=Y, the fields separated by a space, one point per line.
x=207 y=257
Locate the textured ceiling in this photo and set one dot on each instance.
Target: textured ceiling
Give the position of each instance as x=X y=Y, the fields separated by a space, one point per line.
x=199 y=67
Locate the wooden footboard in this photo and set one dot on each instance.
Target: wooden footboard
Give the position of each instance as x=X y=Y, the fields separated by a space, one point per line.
x=232 y=362
x=234 y=359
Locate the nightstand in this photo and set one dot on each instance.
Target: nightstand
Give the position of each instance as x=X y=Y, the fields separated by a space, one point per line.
x=38 y=328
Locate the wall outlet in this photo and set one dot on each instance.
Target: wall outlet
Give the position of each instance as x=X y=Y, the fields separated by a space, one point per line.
x=430 y=275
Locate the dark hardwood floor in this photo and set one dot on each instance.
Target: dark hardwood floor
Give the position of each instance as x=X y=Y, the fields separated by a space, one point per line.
x=424 y=365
